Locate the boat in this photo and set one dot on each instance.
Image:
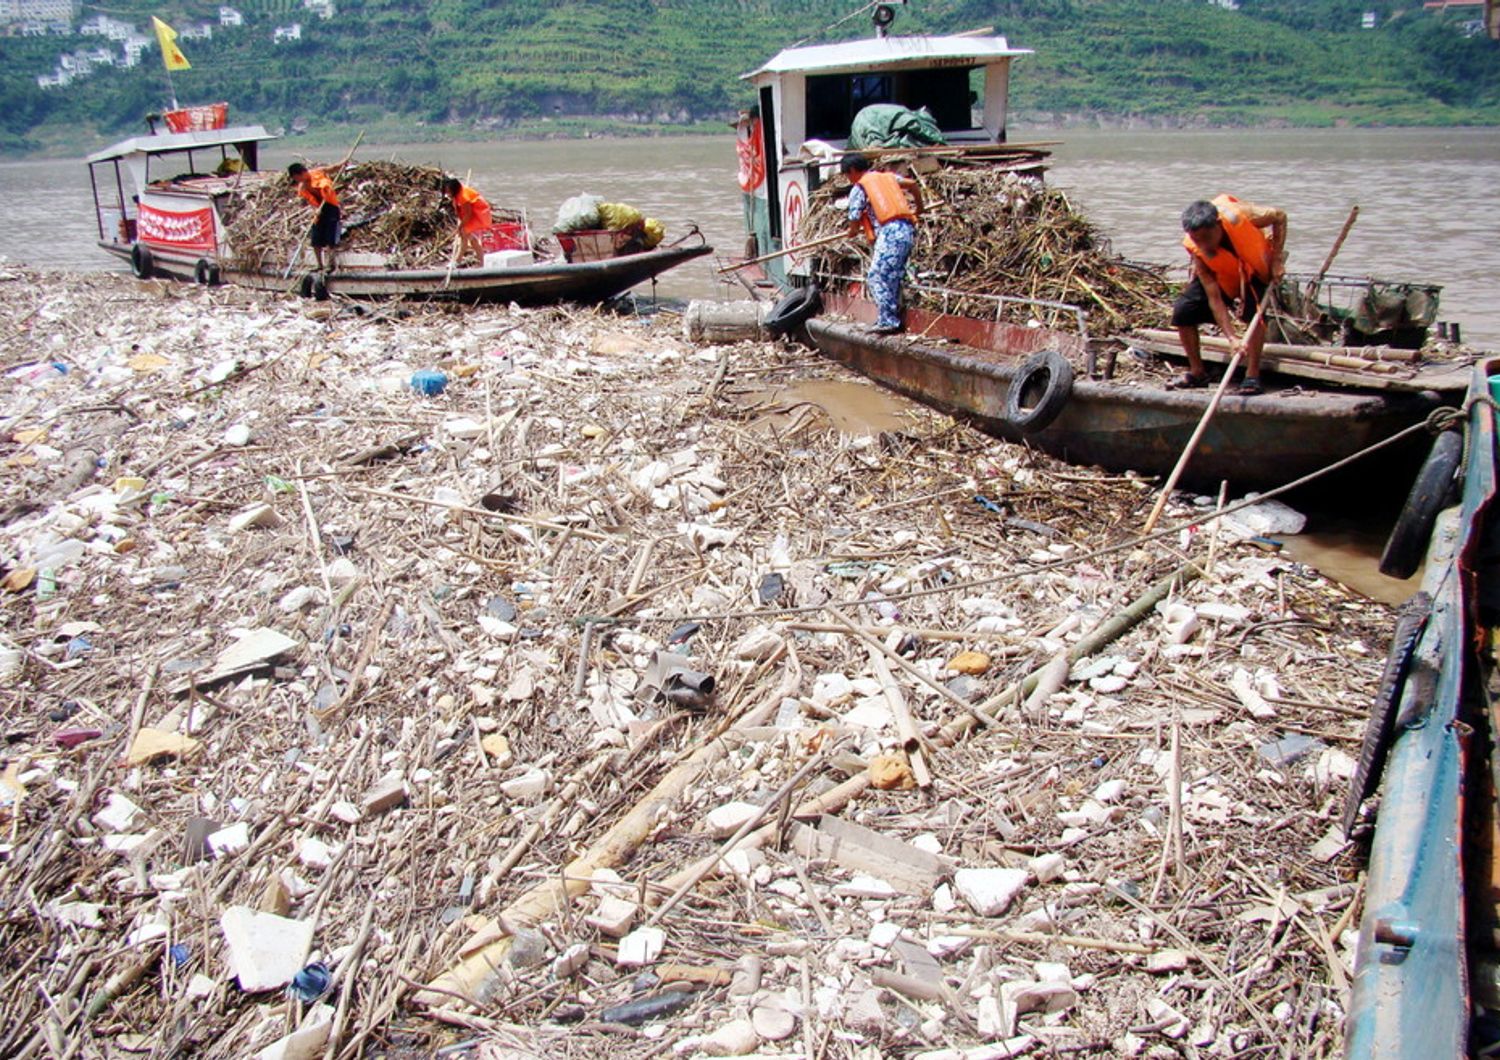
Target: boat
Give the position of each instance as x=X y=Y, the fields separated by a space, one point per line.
x=982 y=371
x=159 y=198
x=1424 y=964
x=963 y=354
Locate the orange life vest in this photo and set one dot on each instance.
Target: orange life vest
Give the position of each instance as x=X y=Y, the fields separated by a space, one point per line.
x=1251 y=252
x=887 y=200
x=473 y=212
x=318 y=189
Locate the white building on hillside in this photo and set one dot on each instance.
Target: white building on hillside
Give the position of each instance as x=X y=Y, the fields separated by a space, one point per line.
x=228 y=16
x=286 y=34
x=51 y=12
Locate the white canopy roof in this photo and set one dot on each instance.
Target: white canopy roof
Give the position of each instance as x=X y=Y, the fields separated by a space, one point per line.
x=168 y=143
x=877 y=52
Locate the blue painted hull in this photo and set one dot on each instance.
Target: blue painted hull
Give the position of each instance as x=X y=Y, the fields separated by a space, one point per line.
x=1411 y=997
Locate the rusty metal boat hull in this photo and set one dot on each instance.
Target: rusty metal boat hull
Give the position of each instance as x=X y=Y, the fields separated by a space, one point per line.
x=1254 y=443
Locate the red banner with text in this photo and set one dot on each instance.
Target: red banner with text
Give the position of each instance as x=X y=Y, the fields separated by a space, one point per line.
x=187 y=230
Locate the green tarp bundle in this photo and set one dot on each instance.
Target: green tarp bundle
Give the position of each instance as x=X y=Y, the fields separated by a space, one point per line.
x=890 y=125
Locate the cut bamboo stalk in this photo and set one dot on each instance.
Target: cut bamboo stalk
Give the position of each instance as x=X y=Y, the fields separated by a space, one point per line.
x=705 y=867
x=477 y=976
x=1361 y=355
x=1105 y=633
x=906 y=726
x=906 y=667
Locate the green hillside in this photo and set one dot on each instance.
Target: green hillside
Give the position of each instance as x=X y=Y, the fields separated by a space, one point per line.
x=469 y=67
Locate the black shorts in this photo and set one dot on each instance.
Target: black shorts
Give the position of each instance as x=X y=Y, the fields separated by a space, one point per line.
x=326 y=229
x=1193 y=310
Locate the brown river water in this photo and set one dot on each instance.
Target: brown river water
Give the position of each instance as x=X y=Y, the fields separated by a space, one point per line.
x=1427 y=199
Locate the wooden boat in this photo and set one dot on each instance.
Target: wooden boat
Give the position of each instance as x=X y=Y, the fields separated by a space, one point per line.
x=169 y=224
x=967 y=368
x=969 y=365
x=1426 y=935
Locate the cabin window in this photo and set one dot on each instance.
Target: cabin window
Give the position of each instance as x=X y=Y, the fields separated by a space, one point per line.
x=834 y=99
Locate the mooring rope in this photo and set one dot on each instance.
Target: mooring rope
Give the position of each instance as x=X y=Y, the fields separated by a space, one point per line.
x=1436 y=421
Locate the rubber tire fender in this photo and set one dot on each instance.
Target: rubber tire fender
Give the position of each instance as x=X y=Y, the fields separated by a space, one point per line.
x=794 y=310
x=142 y=262
x=1430 y=493
x=312 y=286
x=1038 y=391
x=206 y=273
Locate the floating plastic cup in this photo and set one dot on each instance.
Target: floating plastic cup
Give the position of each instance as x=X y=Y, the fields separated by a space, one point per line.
x=429 y=381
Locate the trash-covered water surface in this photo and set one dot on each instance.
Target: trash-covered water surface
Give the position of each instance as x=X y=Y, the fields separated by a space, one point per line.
x=579 y=707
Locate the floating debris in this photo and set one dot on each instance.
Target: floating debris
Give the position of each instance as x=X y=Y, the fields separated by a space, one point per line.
x=432 y=764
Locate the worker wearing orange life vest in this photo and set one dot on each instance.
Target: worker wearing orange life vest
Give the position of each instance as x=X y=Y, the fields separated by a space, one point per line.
x=315 y=186
x=1232 y=260
x=885 y=207
x=473 y=213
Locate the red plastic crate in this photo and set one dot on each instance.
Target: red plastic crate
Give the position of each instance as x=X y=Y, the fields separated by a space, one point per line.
x=506 y=235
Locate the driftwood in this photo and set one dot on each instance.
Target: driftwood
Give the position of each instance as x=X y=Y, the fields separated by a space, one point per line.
x=475 y=976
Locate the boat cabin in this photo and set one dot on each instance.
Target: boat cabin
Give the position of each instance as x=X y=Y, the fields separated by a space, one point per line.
x=161 y=190
x=807 y=98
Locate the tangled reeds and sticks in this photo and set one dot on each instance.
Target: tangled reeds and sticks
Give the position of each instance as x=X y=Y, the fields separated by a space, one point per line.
x=1000 y=233
x=390 y=208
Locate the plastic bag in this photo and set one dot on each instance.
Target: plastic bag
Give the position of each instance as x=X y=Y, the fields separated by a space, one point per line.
x=578 y=213
x=618 y=215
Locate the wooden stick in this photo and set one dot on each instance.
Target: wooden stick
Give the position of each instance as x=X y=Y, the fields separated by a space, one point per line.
x=921 y=634
x=906 y=726
x=1044 y=939
x=1360 y=356
x=592 y=535
x=350 y=153
x=1317 y=281
x=1208 y=414
x=707 y=865
x=941 y=689
x=789 y=250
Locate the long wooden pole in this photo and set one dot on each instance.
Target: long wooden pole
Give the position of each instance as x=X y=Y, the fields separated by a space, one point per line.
x=783 y=253
x=1338 y=244
x=823 y=242
x=1197 y=435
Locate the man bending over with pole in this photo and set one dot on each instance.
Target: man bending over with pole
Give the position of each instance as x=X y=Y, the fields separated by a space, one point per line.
x=315 y=186
x=1232 y=260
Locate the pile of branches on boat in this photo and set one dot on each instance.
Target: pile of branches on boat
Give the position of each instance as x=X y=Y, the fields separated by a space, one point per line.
x=999 y=233
x=390 y=208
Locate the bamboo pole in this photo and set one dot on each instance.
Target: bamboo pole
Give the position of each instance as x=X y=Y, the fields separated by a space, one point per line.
x=1355 y=356
x=906 y=725
x=1203 y=421
x=823 y=242
x=783 y=253
x=1338 y=244
x=477 y=976
x=1105 y=633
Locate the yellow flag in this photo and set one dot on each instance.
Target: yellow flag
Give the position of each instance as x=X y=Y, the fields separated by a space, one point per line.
x=171 y=55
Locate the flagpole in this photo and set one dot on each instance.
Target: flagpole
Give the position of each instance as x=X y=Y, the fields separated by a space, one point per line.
x=171 y=90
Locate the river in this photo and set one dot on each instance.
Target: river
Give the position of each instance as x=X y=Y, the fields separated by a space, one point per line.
x=1426 y=197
